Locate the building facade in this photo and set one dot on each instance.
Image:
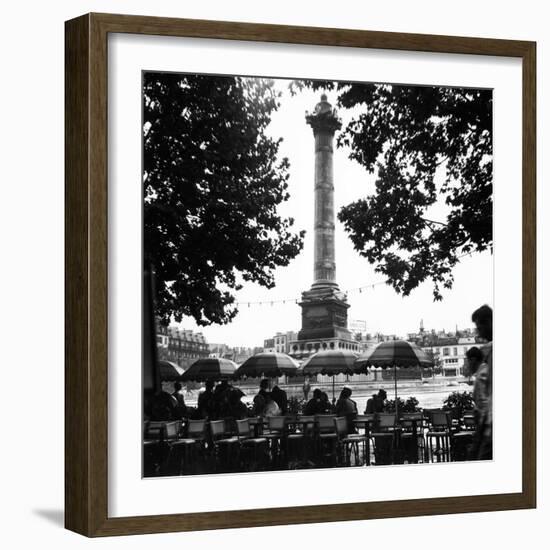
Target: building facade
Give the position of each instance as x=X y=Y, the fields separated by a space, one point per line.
x=447 y=348
x=280 y=343
x=181 y=346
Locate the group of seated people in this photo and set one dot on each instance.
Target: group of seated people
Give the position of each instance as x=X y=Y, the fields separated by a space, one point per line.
x=225 y=401
x=268 y=402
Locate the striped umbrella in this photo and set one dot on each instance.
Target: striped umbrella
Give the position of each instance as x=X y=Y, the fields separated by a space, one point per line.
x=394 y=353
x=269 y=364
x=330 y=362
x=169 y=371
x=210 y=368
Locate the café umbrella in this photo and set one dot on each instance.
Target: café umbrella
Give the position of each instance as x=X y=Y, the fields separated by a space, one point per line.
x=169 y=371
x=267 y=364
x=331 y=363
x=394 y=353
x=210 y=368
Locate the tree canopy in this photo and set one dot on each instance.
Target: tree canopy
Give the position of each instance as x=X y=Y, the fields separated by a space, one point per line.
x=212 y=183
x=427 y=146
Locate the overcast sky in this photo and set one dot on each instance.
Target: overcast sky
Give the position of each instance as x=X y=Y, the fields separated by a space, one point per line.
x=380 y=307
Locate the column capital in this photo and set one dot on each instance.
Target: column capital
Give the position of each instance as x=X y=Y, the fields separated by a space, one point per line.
x=324 y=117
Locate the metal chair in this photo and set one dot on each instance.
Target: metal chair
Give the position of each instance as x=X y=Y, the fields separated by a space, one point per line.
x=225 y=449
x=412 y=436
x=155 y=448
x=438 y=436
x=366 y=421
x=463 y=438
x=300 y=443
x=276 y=430
x=383 y=438
x=256 y=447
x=348 y=441
x=327 y=438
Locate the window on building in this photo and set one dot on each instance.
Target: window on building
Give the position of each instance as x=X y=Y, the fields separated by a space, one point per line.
x=455 y=351
x=445 y=351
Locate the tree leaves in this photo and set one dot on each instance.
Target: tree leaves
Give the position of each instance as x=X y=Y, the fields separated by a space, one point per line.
x=404 y=135
x=212 y=184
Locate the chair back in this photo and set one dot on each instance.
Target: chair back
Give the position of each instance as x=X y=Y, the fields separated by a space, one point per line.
x=196 y=429
x=325 y=423
x=427 y=414
x=217 y=429
x=173 y=429
x=230 y=425
x=441 y=419
x=276 y=423
x=413 y=416
x=307 y=424
x=154 y=430
x=386 y=421
x=243 y=428
x=469 y=422
x=409 y=420
x=341 y=426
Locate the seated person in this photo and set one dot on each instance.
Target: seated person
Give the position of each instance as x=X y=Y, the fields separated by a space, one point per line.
x=376 y=403
x=313 y=406
x=260 y=400
x=180 y=410
x=271 y=408
x=326 y=406
x=163 y=407
x=347 y=407
x=280 y=398
x=238 y=409
x=205 y=403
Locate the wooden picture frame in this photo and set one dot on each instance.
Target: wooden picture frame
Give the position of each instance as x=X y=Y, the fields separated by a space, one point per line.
x=86 y=283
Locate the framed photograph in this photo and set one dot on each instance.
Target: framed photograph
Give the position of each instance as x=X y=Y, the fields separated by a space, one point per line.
x=300 y=275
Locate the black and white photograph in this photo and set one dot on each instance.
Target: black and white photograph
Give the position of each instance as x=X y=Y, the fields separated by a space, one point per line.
x=317 y=274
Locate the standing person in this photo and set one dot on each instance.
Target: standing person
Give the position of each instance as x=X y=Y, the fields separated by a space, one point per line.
x=376 y=403
x=205 y=400
x=306 y=387
x=280 y=398
x=483 y=319
x=346 y=406
x=478 y=368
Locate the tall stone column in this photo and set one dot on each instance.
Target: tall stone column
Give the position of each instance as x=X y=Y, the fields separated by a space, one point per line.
x=324 y=122
x=324 y=307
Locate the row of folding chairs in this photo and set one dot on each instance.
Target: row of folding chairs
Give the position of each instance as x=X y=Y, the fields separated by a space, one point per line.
x=426 y=436
x=303 y=441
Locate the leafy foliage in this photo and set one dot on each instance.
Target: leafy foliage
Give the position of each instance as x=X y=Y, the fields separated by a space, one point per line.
x=408 y=406
x=295 y=405
x=212 y=184
x=458 y=403
x=407 y=135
